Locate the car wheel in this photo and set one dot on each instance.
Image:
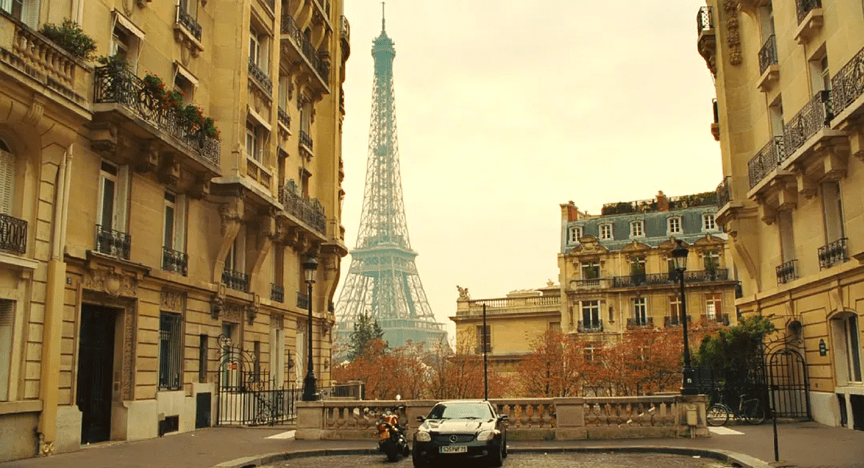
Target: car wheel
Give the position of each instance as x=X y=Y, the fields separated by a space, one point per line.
x=496 y=458
x=418 y=462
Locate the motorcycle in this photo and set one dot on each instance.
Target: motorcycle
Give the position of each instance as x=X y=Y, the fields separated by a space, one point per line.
x=391 y=437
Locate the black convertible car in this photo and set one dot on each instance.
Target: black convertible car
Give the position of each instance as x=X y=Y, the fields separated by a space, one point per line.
x=459 y=430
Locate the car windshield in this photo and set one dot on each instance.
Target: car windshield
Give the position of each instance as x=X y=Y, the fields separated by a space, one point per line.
x=460 y=411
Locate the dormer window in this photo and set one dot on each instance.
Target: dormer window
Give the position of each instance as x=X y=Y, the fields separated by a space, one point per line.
x=637 y=228
x=674 y=225
x=708 y=223
x=574 y=234
x=606 y=232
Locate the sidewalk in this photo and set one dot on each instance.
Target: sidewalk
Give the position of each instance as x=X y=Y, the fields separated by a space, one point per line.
x=801 y=444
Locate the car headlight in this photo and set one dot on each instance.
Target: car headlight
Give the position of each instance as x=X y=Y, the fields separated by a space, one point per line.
x=486 y=435
x=423 y=436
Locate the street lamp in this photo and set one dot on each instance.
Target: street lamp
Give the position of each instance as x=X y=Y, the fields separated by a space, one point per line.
x=309 y=267
x=679 y=258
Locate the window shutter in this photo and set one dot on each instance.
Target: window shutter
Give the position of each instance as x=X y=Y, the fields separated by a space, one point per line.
x=6 y=311
x=30 y=13
x=7 y=181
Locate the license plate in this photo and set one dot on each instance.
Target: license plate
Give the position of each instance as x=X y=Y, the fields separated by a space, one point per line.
x=455 y=449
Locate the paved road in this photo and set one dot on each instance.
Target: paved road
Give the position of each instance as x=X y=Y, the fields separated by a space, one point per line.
x=519 y=460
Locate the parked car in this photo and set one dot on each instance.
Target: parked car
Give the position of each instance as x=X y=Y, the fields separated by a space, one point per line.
x=461 y=429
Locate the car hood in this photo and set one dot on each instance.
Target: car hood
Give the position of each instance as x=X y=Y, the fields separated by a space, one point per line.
x=458 y=426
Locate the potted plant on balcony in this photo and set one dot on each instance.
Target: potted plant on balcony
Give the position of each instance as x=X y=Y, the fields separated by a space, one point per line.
x=710 y=266
x=70 y=37
x=637 y=272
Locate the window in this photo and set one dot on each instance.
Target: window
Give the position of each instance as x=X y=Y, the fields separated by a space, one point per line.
x=847 y=341
x=203 y=345
x=306 y=116
x=708 y=223
x=575 y=234
x=480 y=338
x=775 y=112
x=555 y=327
x=256 y=137
x=832 y=209
x=711 y=259
x=787 y=236
x=185 y=83
x=640 y=310
x=7 y=178
x=637 y=229
x=820 y=78
x=605 y=232
x=7 y=309
x=712 y=306
x=591 y=314
x=675 y=309
x=256 y=361
x=174 y=237
x=590 y=271
x=304 y=182
x=126 y=40
x=674 y=226
x=190 y=7
x=254 y=47
x=236 y=256
x=108 y=196
x=26 y=11
x=230 y=377
x=637 y=266
x=258 y=54
x=589 y=352
x=170 y=371
x=277 y=354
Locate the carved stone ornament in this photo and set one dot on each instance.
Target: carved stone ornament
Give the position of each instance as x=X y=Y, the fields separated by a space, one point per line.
x=231 y=212
x=216 y=306
x=733 y=35
x=110 y=282
x=276 y=321
x=233 y=313
x=464 y=295
x=251 y=313
x=326 y=326
x=172 y=301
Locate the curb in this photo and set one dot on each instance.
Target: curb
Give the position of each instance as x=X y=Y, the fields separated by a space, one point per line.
x=733 y=458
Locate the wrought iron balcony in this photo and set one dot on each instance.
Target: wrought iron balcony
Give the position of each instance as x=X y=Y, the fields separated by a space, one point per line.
x=309 y=211
x=787 y=271
x=302 y=300
x=187 y=21
x=704 y=19
x=113 y=242
x=295 y=34
x=848 y=84
x=833 y=253
x=716 y=318
x=117 y=86
x=594 y=326
x=305 y=139
x=277 y=293
x=236 y=280
x=674 y=321
x=814 y=116
x=641 y=322
x=766 y=160
x=653 y=279
x=724 y=191
x=805 y=6
x=175 y=261
x=13 y=234
x=768 y=54
x=260 y=77
x=284 y=118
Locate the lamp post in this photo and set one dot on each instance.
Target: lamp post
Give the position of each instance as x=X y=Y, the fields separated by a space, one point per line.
x=309 y=392
x=679 y=257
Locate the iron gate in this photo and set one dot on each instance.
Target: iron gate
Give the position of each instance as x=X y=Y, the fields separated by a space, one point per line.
x=789 y=385
x=246 y=393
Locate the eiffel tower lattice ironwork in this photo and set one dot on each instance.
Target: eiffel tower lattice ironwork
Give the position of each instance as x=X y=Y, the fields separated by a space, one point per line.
x=383 y=280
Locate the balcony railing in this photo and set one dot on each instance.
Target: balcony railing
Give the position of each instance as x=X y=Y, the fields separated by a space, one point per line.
x=277 y=293
x=260 y=77
x=724 y=191
x=814 y=116
x=590 y=283
x=284 y=118
x=696 y=276
x=716 y=318
x=787 y=271
x=768 y=54
x=187 y=21
x=594 y=326
x=113 y=242
x=804 y=7
x=236 y=280
x=704 y=19
x=848 y=84
x=305 y=139
x=309 y=211
x=766 y=160
x=674 y=321
x=641 y=322
x=122 y=87
x=832 y=254
x=175 y=261
x=13 y=234
x=302 y=301
x=292 y=30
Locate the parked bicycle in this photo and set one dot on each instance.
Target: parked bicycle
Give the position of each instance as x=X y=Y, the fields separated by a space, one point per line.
x=750 y=410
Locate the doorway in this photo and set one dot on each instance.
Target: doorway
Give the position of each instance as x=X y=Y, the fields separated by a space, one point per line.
x=95 y=370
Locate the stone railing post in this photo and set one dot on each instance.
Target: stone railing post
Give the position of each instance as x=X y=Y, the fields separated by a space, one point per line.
x=692 y=416
x=570 y=418
x=310 y=420
x=414 y=408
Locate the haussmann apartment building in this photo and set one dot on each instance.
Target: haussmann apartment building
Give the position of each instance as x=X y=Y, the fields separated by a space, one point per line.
x=789 y=116
x=140 y=242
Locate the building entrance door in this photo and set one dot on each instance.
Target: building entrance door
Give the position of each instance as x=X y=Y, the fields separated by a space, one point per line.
x=95 y=368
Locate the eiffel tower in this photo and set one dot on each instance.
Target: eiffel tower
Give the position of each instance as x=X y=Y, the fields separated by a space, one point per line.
x=383 y=280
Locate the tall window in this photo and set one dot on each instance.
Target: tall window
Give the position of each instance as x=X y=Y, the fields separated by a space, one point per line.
x=108 y=196
x=787 y=235
x=254 y=47
x=184 y=85
x=175 y=222
x=230 y=377
x=640 y=310
x=674 y=225
x=7 y=309
x=283 y=92
x=480 y=335
x=589 y=352
x=254 y=142
x=637 y=229
x=125 y=40
x=847 y=340
x=775 y=112
x=575 y=233
x=820 y=78
x=591 y=314
x=637 y=266
x=708 y=223
x=27 y=11
x=170 y=370
x=711 y=259
x=675 y=309
x=190 y=7
x=832 y=209
x=712 y=306
x=605 y=232
x=590 y=270
x=203 y=346
x=7 y=178
x=258 y=50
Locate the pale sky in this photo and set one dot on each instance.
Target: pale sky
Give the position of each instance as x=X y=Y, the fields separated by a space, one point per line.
x=507 y=109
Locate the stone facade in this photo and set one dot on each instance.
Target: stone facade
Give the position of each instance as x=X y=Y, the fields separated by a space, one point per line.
x=134 y=237
x=788 y=118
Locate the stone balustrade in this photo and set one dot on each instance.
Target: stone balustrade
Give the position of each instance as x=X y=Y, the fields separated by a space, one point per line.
x=528 y=418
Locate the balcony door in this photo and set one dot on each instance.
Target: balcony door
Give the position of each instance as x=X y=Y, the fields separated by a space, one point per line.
x=7 y=179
